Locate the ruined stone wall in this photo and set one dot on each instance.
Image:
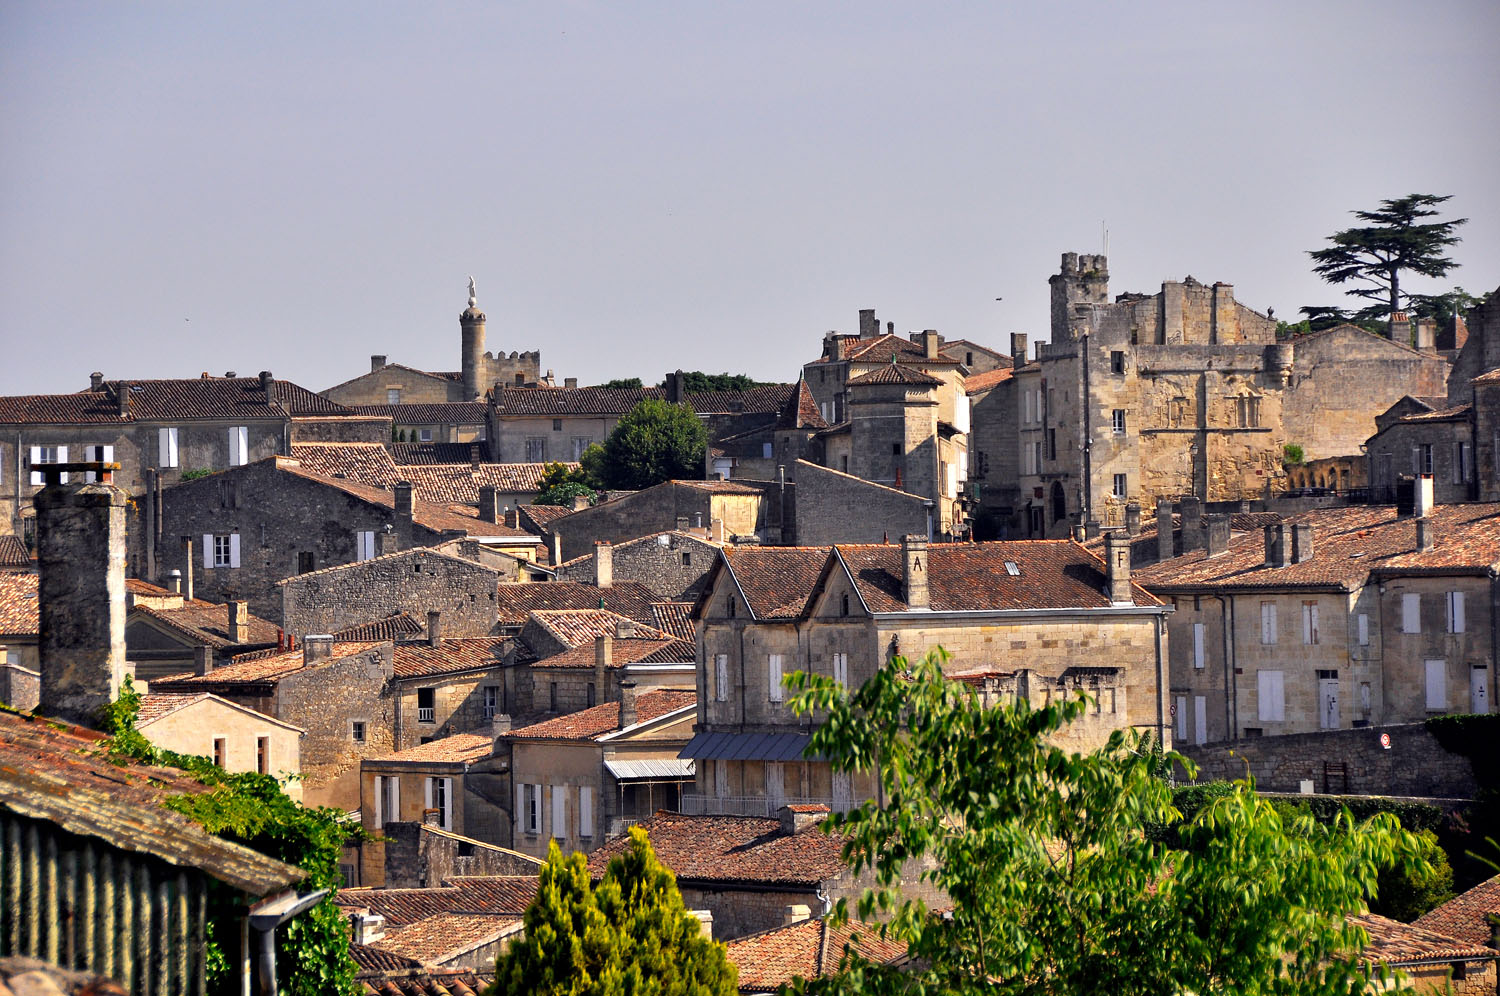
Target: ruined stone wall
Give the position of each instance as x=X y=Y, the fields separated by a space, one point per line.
x=416 y=857
x=502 y=368
x=348 y=429
x=412 y=581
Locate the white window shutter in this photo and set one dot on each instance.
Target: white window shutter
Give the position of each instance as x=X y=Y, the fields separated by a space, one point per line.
x=426 y=793
x=36 y=458
x=447 y=804
x=1437 y=685
x=395 y=783
x=773 y=677
x=1455 y=612
x=108 y=454
x=536 y=798
x=1197 y=645
x=520 y=813
x=379 y=800
x=721 y=677
x=1182 y=718
x=586 y=811
x=62 y=457
x=1364 y=630
x=234 y=549
x=163 y=450
x=208 y=549
x=1411 y=613
x=559 y=811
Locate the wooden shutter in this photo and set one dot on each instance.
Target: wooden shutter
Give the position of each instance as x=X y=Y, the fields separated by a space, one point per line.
x=586 y=811
x=1198 y=645
x=234 y=549
x=721 y=677
x=1455 y=612
x=1182 y=718
x=36 y=458
x=208 y=550
x=1437 y=685
x=773 y=677
x=559 y=811
x=1364 y=630
x=1411 y=613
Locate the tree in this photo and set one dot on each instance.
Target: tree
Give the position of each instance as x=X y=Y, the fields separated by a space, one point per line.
x=1395 y=240
x=1056 y=885
x=653 y=442
x=560 y=484
x=696 y=381
x=1442 y=308
x=623 y=383
x=630 y=935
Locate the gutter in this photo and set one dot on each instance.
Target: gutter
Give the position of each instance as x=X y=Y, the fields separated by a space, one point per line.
x=964 y=615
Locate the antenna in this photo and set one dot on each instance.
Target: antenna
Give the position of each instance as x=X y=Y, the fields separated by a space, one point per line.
x=1104 y=238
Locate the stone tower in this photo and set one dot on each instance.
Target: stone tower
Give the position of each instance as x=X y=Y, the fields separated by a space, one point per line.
x=80 y=538
x=1082 y=280
x=471 y=321
x=893 y=425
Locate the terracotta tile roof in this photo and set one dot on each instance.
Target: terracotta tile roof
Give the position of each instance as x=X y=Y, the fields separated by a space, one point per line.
x=460 y=482
x=516 y=600
x=542 y=515
x=1457 y=412
x=393 y=627
x=135 y=586
x=777 y=581
x=13 y=552
x=208 y=623
x=979 y=383
x=465 y=893
x=743 y=849
x=377 y=960
x=435 y=413
x=458 y=748
x=882 y=349
x=1464 y=915
x=895 y=373
x=168 y=401
x=446 y=935
x=626 y=651
x=418 y=659
x=155 y=705
x=618 y=401
x=255 y=669
x=1395 y=943
x=420 y=453
x=596 y=721
x=807 y=950
x=425 y=982
x=1348 y=545
x=1054 y=574
x=432 y=515
x=1489 y=377
x=768 y=399
x=19 y=615
x=801 y=410
x=577 y=627
x=676 y=619
x=368 y=463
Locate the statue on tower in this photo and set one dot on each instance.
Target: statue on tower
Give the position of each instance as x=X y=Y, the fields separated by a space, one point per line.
x=473 y=300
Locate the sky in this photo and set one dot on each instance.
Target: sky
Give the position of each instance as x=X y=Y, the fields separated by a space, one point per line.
x=643 y=187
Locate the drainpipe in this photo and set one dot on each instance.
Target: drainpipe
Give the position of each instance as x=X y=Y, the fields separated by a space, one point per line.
x=1494 y=640
x=1161 y=688
x=264 y=920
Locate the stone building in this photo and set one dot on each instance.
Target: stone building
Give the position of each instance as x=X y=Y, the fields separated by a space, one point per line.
x=432 y=422
x=408 y=785
x=233 y=737
x=451 y=473
x=165 y=632
x=1334 y=619
x=1432 y=963
x=807 y=947
x=726 y=509
x=672 y=563
x=1183 y=392
x=760 y=451
x=20 y=622
x=1041 y=619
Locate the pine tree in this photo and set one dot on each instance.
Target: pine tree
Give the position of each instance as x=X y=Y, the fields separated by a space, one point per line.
x=568 y=942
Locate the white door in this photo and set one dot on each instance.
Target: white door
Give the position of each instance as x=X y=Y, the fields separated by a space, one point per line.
x=1200 y=719
x=1479 y=689
x=1328 y=703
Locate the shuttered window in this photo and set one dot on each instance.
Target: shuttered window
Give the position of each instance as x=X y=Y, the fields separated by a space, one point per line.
x=239 y=446
x=1411 y=613
x=1364 y=630
x=166 y=449
x=841 y=669
x=559 y=811
x=1455 y=612
x=721 y=677
x=1268 y=622
x=1270 y=696
x=1310 y=622
x=1437 y=685
x=773 y=677
x=1198 y=645
x=586 y=811
x=365 y=543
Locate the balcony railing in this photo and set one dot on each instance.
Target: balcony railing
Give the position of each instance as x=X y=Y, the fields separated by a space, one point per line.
x=426 y=714
x=750 y=805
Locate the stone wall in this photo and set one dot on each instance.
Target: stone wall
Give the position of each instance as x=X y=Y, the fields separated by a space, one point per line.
x=1395 y=453
x=20 y=687
x=655 y=510
x=832 y=507
x=345 y=429
x=740 y=912
x=417 y=856
x=416 y=387
x=1415 y=765
x=412 y=581
x=673 y=564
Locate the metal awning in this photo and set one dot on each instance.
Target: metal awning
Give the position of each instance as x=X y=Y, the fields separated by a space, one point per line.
x=663 y=769
x=748 y=747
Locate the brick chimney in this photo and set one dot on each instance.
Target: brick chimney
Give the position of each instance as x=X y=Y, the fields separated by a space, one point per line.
x=914 y=571
x=1399 y=328
x=239 y=620
x=800 y=819
x=1117 y=568
x=604 y=564
x=1166 y=548
x=1302 y=542
x=627 y=703
x=316 y=648
x=434 y=628
x=489 y=504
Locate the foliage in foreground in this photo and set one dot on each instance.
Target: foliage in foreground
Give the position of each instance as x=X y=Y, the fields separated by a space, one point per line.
x=312 y=949
x=1055 y=887
x=631 y=934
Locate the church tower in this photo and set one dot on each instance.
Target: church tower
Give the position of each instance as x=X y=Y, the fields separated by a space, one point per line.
x=471 y=321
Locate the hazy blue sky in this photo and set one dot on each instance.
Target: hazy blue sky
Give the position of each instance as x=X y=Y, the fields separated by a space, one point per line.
x=639 y=187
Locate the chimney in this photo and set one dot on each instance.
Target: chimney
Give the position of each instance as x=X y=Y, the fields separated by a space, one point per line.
x=499 y=726
x=795 y=914
x=203 y=659
x=604 y=650
x=1117 y=568
x=239 y=621
x=914 y=571
x=1018 y=349
x=434 y=628
x=869 y=325
x=674 y=388
x=682 y=523
x=1165 y=547
x=1216 y=534
x=316 y=648
x=473 y=456
x=268 y=385
x=123 y=396
x=1192 y=523
x=604 y=564
x=174 y=581
x=376 y=362
x=1080 y=532
x=1425 y=537
x=1399 y=328
x=580 y=502
x=432 y=817
x=96 y=381
x=489 y=504
x=1133 y=518
x=1427 y=335
x=556 y=549
x=403 y=500
x=624 y=628
x=1302 y=542
x=570 y=382
x=1422 y=496
x=705 y=920
x=366 y=928
x=930 y=344
x=1278 y=541
x=80 y=553
x=800 y=819
x=512 y=515
x=627 y=703
x=833 y=346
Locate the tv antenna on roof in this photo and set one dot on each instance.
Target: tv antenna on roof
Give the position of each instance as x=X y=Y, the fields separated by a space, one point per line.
x=1104 y=238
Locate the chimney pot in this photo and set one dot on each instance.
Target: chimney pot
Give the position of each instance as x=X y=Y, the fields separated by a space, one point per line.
x=604 y=564
x=174 y=580
x=316 y=648
x=914 y=571
x=434 y=628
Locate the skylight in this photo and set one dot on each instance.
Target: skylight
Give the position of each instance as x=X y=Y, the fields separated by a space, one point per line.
x=1012 y=568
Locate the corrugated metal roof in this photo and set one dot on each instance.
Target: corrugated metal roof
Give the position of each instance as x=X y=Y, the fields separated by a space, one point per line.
x=647 y=769
x=746 y=747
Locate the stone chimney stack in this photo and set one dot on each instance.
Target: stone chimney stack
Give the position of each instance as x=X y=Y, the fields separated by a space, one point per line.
x=800 y=819
x=434 y=628
x=268 y=385
x=1133 y=518
x=203 y=659
x=795 y=913
x=1302 y=542
x=627 y=703
x=1166 y=548
x=869 y=325
x=376 y=362
x=1117 y=568
x=1399 y=328
x=1192 y=523
x=580 y=502
x=404 y=505
x=489 y=504
x=80 y=541
x=366 y=928
x=1018 y=349
x=929 y=344
x=1278 y=544
x=914 y=571
x=124 y=397
x=604 y=651
x=556 y=548
x=1425 y=536
x=474 y=456
x=1427 y=335
x=174 y=581
x=239 y=620
x=316 y=648
x=604 y=564
x=96 y=381
x=1422 y=496
x=1216 y=534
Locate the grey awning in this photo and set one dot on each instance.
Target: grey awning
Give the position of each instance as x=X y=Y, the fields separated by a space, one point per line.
x=651 y=769
x=747 y=747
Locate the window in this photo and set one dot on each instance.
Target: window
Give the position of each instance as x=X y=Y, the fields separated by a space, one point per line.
x=721 y=677
x=1455 y=612
x=1030 y=415
x=364 y=542
x=47 y=454
x=102 y=454
x=221 y=752
x=1117 y=421
x=1117 y=361
x=492 y=701
x=844 y=604
x=1268 y=622
x=393 y=395
x=424 y=435
x=426 y=705
x=1421 y=459
x=580 y=443
x=687 y=558
x=529 y=807
x=1036 y=457
x=239 y=446
x=1437 y=685
x=1411 y=613
x=222 y=550
x=1363 y=625
x=536 y=449
x=767 y=450
x=1268 y=685
x=895 y=449
x=1012 y=568
x=1051 y=444
x=357 y=731
x=1120 y=486
x=590 y=695
x=263 y=755
x=1309 y=623
x=552 y=695
x=559 y=811
x=586 y=811
x=773 y=677
x=387 y=799
x=306 y=562
x=1247 y=412
x=841 y=669
x=968 y=359
x=439 y=796
x=1461 y=453
x=166 y=448
x=1198 y=646
x=557 y=425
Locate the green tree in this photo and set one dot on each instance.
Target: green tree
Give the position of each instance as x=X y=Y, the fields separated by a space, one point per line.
x=1054 y=883
x=1395 y=239
x=624 y=383
x=630 y=935
x=560 y=484
x=1407 y=894
x=1442 y=308
x=653 y=442
x=696 y=381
